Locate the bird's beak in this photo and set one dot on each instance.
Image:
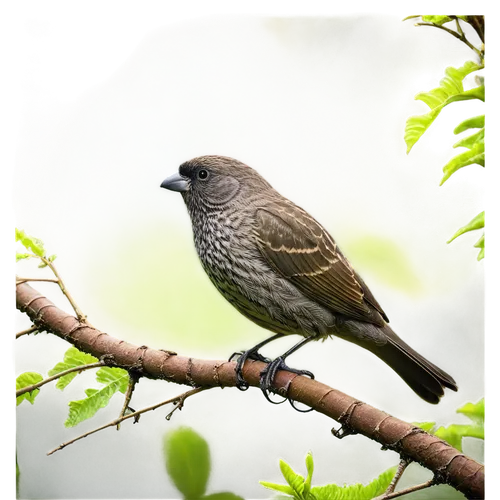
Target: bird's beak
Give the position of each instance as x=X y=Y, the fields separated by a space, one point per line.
x=176 y=182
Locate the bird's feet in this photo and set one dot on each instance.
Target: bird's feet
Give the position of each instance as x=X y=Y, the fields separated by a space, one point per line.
x=268 y=375
x=241 y=357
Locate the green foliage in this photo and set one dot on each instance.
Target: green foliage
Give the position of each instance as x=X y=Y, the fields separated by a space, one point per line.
x=187 y=459
x=30 y=243
x=24 y=380
x=20 y=256
x=35 y=245
x=454 y=433
x=72 y=358
x=450 y=90
x=480 y=244
x=475 y=154
x=114 y=380
x=475 y=122
x=439 y=20
x=476 y=223
x=300 y=488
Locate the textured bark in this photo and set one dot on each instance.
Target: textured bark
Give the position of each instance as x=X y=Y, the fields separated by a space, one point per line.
x=448 y=464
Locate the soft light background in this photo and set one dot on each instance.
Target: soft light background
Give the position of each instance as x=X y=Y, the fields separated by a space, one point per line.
x=115 y=98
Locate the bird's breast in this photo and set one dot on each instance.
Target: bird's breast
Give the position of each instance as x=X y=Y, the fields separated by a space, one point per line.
x=232 y=260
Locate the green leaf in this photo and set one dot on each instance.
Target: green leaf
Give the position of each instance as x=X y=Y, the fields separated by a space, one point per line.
x=480 y=244
x=454 y=433
x=24 y=380
x=187 y=459
x=223 y=495
x=426 y=426
x=473 y=155
x=20 y=256
x=310 y=470
x=282 y=488
x=118 y=376
x=72 y=358
x=450 y=90
x=438 y=20
x=96 y=398
x=30 y=243
x=415 y=128
x=296 y=481
x=301 y=490
x=469 y=141
x=355 y=491
x=288 y=473
x=475 y=122
x=475 y=144
x=474 y=411
x=476 y=223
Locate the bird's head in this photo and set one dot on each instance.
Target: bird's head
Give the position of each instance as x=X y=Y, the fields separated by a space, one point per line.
x=214 y=181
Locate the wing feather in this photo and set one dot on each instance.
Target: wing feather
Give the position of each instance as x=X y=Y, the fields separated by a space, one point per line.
x=298 y=247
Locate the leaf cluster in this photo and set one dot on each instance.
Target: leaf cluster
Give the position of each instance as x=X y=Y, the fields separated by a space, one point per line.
x=35 y=245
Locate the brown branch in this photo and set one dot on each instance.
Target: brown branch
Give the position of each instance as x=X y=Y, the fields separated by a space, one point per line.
x=135 y=415
x=128 y=396
x=29 y=330
x=403 y=464
x=448 y=464
x=25 y=280
x=19 y=279
x=30 y=388
x=410 y=489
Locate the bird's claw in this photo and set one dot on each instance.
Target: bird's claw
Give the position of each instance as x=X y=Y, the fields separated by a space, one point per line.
x=268 y=375
x=241 y=357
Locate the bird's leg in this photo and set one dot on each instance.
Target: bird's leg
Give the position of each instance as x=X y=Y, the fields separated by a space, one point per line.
x=252 y=353
x=268 y=375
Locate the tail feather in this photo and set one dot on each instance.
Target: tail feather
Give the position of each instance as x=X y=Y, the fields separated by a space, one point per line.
x=424 y=377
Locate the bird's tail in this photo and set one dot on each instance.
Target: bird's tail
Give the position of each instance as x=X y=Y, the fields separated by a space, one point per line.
x=424 y=377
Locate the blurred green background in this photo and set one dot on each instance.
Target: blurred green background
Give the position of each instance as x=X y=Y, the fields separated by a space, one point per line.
x=316 y=104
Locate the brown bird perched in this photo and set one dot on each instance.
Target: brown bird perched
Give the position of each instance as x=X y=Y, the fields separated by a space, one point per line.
x=281 y=269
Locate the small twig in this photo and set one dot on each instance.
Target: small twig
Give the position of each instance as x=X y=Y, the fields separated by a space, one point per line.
x=459 y=36
x=66 y=291
x=403 y=464
x=128 y=396
x=29 y=330
x=459 y=28
x=81 y=368
x=62 y=285
x=410 y=489
x=479 y=29
x=25 y=280
x=134 y=415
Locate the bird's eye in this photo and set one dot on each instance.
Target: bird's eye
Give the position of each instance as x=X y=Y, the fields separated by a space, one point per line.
x=202 y=174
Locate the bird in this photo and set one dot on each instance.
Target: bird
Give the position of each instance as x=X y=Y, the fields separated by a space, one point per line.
x=282 y=270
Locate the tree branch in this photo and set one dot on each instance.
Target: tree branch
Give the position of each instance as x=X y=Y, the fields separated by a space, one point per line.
x=135 y=415
x=448 y=464
x=403 y=464
x=29 y=330
x=410 y=489
x=133 y=379
x=81 y=368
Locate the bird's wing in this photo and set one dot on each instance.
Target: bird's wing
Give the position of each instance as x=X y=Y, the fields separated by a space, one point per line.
x=300 y=249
